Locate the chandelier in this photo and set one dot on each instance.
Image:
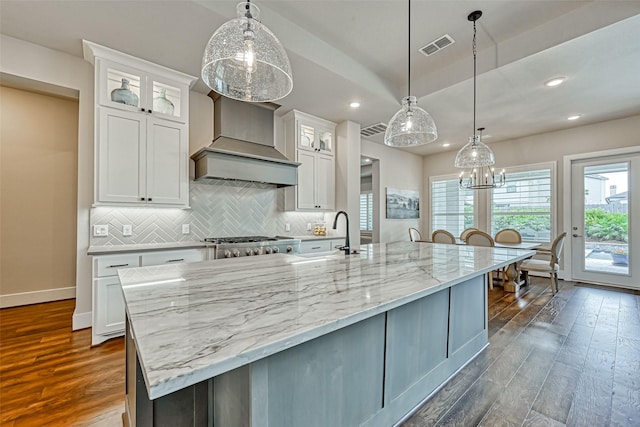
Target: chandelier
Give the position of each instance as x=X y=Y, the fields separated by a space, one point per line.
x=243 y=60
x=411 y=125
x=476 y=156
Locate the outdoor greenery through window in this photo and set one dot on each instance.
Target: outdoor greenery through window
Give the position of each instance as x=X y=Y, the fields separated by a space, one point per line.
x=451 y=207
x=524 y=204
x=366 y=211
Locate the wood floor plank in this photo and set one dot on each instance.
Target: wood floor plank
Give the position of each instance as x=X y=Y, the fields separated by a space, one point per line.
x=536 y=419
x=556 y=395
x=625 y=406
x=591 y=403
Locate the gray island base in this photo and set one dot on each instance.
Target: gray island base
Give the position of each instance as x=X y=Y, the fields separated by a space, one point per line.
x=290 y=341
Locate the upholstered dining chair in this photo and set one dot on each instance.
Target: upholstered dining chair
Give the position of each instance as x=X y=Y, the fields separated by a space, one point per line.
x=443 y=236
x=480 y=238
x=465 y=233
x=550 y=266
x=414 y=234
x=508 y=235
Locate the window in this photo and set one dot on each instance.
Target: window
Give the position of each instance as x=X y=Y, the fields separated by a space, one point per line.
x=366 y=211
x=524 y=203
x=452 y=209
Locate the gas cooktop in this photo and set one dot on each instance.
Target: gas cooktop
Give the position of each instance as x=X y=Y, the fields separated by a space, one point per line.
x=241 y=239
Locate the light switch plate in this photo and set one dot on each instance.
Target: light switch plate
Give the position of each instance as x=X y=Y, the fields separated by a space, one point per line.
x=308 y=226
x=101 y=230
x=287 y=227
x=186 y=229
x=127 y=230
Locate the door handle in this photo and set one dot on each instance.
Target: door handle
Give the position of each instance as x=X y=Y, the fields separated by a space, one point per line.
x=576 y=235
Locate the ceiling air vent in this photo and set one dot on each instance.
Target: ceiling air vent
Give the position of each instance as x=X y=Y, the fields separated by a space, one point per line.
x=373 y=129
x=437 y=45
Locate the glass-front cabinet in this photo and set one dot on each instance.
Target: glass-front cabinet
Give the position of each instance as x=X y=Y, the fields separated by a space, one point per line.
x=315 y=134
x=128 y=88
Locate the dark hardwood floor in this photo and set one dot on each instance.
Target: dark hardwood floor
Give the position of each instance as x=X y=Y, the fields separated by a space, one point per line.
x=573 y=359
x=51 y=376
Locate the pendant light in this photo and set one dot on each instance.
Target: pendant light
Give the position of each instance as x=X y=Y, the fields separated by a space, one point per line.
x=476 y=155
x=411 y=125
x=243 y=60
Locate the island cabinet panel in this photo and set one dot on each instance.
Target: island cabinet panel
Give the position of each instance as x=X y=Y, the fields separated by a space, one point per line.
x=416 y=342
x=335 y=380
x=468 y=316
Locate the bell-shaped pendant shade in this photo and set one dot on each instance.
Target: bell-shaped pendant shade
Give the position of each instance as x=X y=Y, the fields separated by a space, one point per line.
x=410 y=126
x=474 y=154
x=243 y=60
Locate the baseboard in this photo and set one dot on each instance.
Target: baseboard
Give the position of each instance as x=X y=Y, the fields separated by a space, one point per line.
x=81 y=320
x=35 y=297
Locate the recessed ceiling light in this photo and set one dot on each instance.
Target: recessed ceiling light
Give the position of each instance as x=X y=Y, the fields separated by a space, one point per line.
x=555 y=81
x=446 y=144
x=576 y=117
x=354 y=105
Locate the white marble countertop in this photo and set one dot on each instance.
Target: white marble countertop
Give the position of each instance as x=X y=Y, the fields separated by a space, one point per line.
x=145 y=247
x=193 y=321
x=307 y=237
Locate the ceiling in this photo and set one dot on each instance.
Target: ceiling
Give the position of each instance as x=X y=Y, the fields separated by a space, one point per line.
x=343 y=51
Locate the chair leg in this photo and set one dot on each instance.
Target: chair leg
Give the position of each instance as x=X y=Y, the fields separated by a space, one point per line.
x=555 y=279
x=553 y=286
x=490 y=280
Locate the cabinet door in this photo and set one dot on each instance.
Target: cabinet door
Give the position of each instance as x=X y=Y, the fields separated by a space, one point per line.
x=326 y=137
x=325 y=182
x=169 y=100
x=306 y=180
x=121 y=87
x=166 y=163
x=121 y=148
x=306 y=135
x=109 y=315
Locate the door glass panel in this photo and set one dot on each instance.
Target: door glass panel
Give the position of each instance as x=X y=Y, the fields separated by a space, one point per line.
x=326 y=141
x=606 y=218
x=123 y=88
x=307 y=134
x=166 y=99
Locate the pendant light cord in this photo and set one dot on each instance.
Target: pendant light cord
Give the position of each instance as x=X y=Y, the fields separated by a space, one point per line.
x=409 y=50
x=474 y=80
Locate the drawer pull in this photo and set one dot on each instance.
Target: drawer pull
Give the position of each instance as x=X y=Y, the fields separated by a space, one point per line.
x=175 y=260
x=316 y=247
x=118 y=265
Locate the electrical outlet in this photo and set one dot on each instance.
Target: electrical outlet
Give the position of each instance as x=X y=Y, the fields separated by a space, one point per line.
x=100 y=230
x=186 y=229
x=308 y=226
x=287 y=227
x=127 y=230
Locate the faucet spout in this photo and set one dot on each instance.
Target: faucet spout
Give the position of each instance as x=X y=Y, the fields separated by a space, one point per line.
x=346 y=248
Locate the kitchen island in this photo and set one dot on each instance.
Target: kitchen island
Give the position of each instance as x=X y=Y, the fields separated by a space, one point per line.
x=282 y=340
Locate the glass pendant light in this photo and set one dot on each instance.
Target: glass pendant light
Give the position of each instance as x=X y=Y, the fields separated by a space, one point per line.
x=243 y=60
x=411 y=125
x=476 y=155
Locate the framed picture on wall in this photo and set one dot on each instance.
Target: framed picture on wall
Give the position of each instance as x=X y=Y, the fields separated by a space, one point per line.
x=402 y=204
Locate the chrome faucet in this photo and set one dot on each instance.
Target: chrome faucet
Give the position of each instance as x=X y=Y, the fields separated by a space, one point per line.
x=346 y=248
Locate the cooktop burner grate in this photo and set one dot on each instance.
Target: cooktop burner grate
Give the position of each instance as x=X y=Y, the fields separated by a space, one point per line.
x=241 y=239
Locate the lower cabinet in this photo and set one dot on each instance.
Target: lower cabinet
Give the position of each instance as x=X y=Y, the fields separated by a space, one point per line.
x=317 y=245
x=108 y=301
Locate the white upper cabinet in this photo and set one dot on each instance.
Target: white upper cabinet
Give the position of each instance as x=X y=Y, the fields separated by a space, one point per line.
x=310 y=141
x=142 y=131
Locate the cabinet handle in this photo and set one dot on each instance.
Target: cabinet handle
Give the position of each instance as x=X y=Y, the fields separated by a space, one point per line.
x=118 y=265
x=142 y=109
x=149 y=199
x=316 y=247
x=175 y=260
x=142 y=199
x=150 y=111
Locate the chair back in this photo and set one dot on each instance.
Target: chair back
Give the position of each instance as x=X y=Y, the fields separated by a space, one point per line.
x=508 y=235
x=414 y=234
x=556 y=248
x=479 y=238
x=443 y=236
x=465 y=233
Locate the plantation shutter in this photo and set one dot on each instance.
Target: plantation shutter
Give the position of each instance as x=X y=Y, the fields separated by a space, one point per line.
x=451 y=207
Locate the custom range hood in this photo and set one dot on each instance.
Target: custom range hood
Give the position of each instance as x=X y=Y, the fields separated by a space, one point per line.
x=243 y=147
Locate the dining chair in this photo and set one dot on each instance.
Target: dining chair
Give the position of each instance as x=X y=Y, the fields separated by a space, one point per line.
x=508 y=235
x=465 y=233
x=480 y=238
x=443 y=236
x=414 y=234
x=550 y=266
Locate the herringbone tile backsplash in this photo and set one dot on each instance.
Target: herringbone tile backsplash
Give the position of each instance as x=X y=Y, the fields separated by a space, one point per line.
x=218 y=208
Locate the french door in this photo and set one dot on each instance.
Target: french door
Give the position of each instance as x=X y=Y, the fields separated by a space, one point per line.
x=604 y=237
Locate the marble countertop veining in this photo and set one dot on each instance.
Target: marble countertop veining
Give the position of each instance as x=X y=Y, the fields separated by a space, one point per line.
x=194 y=321
x=143 y=247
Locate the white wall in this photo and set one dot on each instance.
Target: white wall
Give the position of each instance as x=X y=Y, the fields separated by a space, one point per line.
x=545 y=147
x=401 y=170
x=34 y=62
